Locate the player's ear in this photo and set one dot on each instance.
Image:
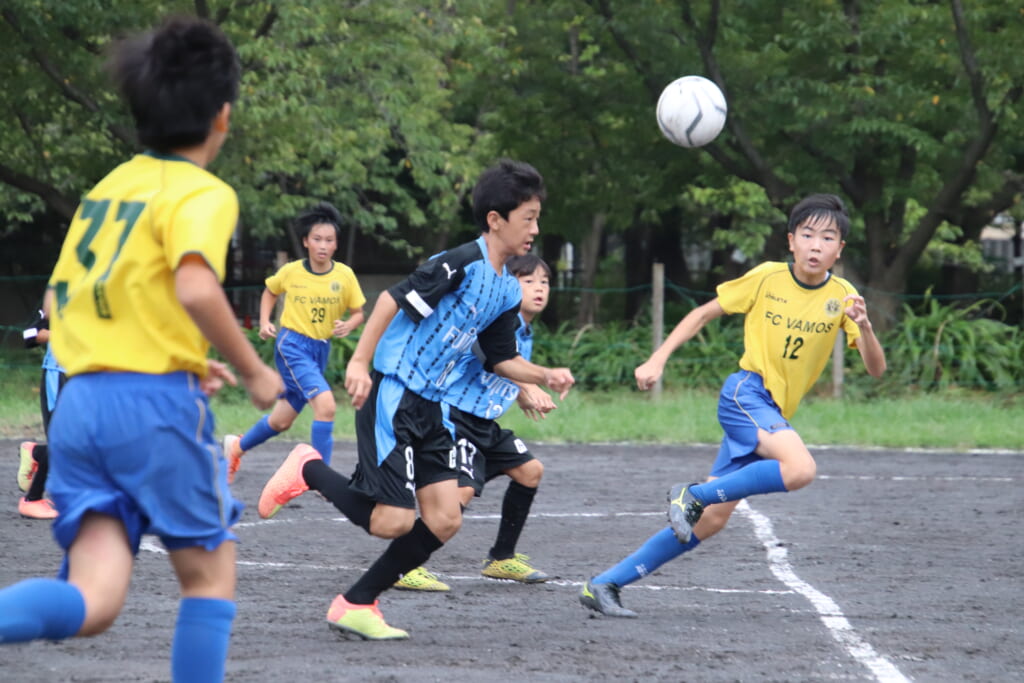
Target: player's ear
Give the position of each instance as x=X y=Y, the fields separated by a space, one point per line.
x=493 y=219
x=222 y=121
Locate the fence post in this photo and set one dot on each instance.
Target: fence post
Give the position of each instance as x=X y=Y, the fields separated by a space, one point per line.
x=657 y=315
x=838 y=350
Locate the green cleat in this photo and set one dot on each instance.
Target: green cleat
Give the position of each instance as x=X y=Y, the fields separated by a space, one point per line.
x=420 y=579
x=604 y=598
x=364 y=621
x=516 y=568
x=683 y=511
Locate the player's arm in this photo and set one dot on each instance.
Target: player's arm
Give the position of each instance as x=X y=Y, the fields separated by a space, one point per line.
x=200 y=293
x=267 y=303
x=871 y=352
x=692 y=323
x=357 y=372
x=342 y=328
x=534 y=401
x=520 y=370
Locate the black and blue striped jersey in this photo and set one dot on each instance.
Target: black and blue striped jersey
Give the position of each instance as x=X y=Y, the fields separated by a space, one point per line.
x=484 y=393
x=445 y=306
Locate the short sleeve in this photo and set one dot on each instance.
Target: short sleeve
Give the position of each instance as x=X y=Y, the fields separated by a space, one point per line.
x=420 y=293
x=203 y=224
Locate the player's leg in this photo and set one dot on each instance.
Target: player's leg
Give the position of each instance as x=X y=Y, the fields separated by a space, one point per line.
x=322 y=430
x=99 y=564
x=202 y=632
x=748 y=415
x=34 y=505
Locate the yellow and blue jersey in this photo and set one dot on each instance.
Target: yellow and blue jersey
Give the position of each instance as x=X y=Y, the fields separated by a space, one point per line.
x=790 y=328
x=313 y=301
x=445 y=306
x=116 y=306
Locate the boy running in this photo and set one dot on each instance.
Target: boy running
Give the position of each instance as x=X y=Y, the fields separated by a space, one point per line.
x=138 y=301
x=485 y=450
x=322 y=299
x=415 y=337
x=793 y=314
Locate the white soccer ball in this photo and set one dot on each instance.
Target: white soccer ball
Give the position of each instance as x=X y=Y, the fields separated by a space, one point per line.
x=691 y=111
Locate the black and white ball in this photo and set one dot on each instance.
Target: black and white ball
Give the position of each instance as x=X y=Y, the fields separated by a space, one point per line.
x=691 y=111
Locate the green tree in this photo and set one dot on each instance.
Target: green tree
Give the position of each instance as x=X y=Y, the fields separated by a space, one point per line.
x=349 y=102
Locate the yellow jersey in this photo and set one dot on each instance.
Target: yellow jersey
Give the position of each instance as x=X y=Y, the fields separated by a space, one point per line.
x=116 y=307
x=790 y=328
x=313 y=301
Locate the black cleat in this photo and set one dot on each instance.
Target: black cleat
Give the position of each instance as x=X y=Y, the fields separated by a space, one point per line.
x=683 y=511
x=604 y=598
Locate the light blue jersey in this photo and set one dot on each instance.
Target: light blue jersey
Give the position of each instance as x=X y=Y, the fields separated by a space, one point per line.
x=447 y=305
x=484 y=393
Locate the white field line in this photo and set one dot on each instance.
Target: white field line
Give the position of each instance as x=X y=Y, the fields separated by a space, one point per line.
x=837 y=624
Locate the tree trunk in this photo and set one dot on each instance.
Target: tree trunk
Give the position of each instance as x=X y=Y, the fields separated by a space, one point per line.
x=590 y=259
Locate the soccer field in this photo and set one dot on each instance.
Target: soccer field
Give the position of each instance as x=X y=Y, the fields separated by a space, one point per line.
x=892 y=566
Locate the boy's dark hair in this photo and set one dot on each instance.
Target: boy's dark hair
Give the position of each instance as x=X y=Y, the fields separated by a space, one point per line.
x=503 y=187
x=818 y=206
x=324 y=212
x=527 y=264
x=175 y=79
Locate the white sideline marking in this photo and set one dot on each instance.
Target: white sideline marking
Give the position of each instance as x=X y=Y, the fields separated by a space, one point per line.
x=829 y=611
x=875 y=477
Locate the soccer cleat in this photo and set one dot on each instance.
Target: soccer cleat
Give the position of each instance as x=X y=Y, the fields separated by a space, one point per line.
x=420 y=579
x=27 y=465
x=515 y=568
x=604 y=598
x=233 y=452
x=365 y=621
x=287 y=482
x=37 y=509
x=684 y=510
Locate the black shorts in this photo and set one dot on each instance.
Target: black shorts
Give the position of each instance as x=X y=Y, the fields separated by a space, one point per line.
x=484 y=449
x=404 y=441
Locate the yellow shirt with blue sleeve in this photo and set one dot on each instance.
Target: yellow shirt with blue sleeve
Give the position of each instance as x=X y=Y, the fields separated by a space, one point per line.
x=313 y=301
x=116 y=307
x=790 y=327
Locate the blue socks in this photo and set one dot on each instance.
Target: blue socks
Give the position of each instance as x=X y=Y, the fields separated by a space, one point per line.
x=40 y=608
x=656 y=551
x=763 y=476
x=201 y=639
x=323 y=439
x=257 y=434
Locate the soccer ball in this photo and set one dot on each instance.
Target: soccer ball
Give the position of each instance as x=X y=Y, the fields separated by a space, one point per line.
x=691 y=111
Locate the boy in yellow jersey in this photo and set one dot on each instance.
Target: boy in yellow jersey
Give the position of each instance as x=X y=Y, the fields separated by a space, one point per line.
x=322 y=299
x=138 y=301
x=793 y=315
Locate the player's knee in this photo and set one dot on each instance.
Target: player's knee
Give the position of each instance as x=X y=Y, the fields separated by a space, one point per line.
x=713 y=520
x=280 y=424
x=324 y=407
x=98 y=620
x=529 y=474
x=800 y=475
x=445 y=527
x=391 y=525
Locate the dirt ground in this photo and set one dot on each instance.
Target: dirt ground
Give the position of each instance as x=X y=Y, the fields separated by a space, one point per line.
x=892 y=566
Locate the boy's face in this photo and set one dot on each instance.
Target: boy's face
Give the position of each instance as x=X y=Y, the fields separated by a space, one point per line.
x=321 y=243
x=816 y=246
x=516 y=234
x=536 y=289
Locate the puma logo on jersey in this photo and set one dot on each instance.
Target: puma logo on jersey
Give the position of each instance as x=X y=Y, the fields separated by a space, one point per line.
x=448 y=270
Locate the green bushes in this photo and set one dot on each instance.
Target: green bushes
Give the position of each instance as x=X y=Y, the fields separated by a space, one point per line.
x=934 y=348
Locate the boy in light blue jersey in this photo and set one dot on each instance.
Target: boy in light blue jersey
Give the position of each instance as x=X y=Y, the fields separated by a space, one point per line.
x=485 y=450
x=417 y=334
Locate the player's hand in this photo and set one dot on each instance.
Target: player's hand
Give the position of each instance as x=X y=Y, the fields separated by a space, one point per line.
x=268 y=331
x=535 y=402
x=559 y=380
x=648 y=374
x=264 y=386
x=358 y=382
x=341 y=328
x=217 y=374
x=856 y=310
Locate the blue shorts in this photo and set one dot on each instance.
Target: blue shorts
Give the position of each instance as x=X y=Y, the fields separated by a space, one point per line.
x=302 y=362
x=744 y=406
x=140 y=448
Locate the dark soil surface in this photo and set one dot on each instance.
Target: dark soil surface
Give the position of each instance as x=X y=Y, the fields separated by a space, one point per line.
x=892 y=566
